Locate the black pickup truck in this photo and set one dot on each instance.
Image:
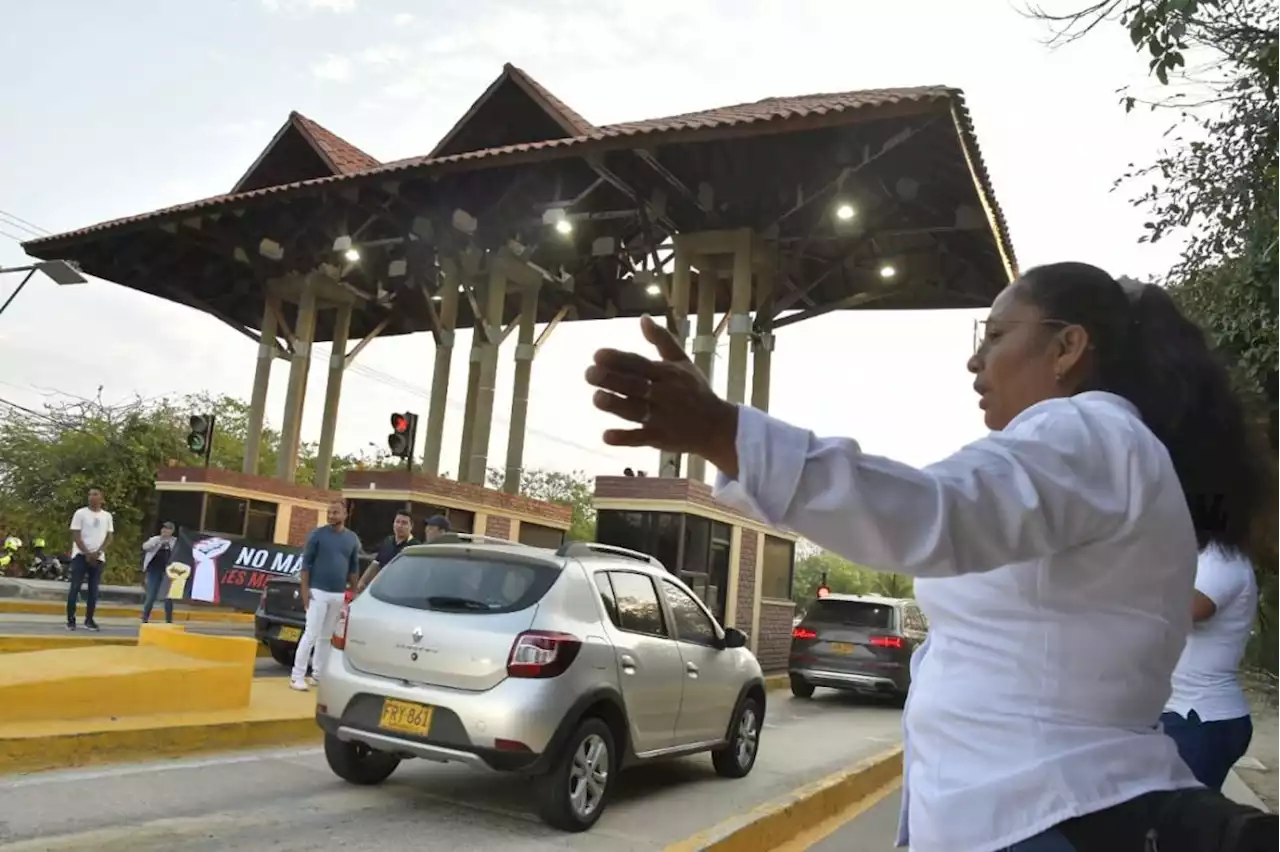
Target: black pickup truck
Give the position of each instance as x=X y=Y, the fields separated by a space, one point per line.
x=280 y=618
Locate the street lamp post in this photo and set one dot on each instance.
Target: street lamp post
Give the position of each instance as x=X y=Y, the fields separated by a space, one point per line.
x=60 y=272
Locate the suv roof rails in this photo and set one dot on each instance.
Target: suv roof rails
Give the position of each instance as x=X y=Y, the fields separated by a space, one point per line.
x=472 y=538
x=592 y=548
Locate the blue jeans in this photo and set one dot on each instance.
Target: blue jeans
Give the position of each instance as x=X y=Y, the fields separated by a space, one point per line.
x=1209 y=748
x=81 y=570
x=152 y=581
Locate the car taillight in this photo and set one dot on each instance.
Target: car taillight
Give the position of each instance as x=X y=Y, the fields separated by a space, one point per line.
x=804 y=633
x=886 y=641
x=339 y=639
x=542 y=653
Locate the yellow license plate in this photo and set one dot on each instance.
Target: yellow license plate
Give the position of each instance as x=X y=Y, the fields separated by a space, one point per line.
x=406 y=717
x=841 y=648
x=289 y=634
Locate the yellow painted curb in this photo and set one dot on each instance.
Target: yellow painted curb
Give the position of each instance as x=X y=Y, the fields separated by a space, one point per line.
x=67 y=751
x=30 y=607
x=776 y=823
x=20 y=643
x=772 y=682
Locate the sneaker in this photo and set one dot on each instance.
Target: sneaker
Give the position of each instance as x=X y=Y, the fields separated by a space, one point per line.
x=92 y=625
x=312 y=680
x=71 y=625
x=299 y=685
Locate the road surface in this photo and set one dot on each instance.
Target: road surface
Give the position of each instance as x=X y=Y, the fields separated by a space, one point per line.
x=872 y=831
x=55 y=623
x=289 y=800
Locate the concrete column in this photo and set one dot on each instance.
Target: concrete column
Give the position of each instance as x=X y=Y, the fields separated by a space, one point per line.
x=762 y=343
x=494 y=299
x=669 y=463
x=333 y=394
x=525 y=351
x=448 y=313
x=258 y=399
x=304 y=334
x=740 y=318
x=704 y=344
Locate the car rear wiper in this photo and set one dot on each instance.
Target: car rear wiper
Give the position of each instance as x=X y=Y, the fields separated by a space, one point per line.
x=444 y=601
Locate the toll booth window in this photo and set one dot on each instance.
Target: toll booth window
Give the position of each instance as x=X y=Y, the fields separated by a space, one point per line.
x=536 y=535
x=779 y=563
x=236 y=516
x=182 y=507
x=260 y=524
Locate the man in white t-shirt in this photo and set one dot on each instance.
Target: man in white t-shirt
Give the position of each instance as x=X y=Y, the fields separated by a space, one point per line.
x=91 y=532
x=1207 y=714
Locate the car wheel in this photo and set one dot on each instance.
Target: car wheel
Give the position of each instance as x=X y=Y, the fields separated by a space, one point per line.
x=739 y=754
x=357 y=763
x=576 y=789
x=801 y=688
x=282 y=653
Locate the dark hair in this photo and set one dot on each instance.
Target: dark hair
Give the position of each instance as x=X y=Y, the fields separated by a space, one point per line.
x=93 y=488
x=403 y=513
x=1146 y=351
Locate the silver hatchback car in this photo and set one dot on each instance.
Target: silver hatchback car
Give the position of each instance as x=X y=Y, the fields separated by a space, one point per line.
x=568 y=665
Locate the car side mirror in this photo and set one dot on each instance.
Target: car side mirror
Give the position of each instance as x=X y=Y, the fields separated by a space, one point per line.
x=734 y=638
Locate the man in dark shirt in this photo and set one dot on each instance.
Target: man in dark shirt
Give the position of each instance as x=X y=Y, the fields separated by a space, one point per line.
x=400 y=538
x=330 y=566
x=437 y=525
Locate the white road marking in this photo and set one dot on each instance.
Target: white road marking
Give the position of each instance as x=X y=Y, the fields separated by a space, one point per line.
x=70 y=776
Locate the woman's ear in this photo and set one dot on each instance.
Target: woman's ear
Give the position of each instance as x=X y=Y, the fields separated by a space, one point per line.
x=1072 y=343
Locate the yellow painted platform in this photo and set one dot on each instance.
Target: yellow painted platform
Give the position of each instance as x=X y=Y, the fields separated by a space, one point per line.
x=275 y=716
x=169 y=671
x=18 y=643
x=210 y=614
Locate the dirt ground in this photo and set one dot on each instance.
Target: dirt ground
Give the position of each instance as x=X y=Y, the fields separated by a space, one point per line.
x=1263 y=748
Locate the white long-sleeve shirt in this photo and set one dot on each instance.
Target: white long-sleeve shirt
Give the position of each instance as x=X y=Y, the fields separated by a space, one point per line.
x=1055 y=561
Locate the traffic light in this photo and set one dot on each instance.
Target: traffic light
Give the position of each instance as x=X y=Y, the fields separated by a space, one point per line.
x=200 y=436
x=404 y=434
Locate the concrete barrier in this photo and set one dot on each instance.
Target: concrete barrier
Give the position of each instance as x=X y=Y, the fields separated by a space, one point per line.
x=20 y=643
x=22 y=606
x=781 y=823
x=170 y=671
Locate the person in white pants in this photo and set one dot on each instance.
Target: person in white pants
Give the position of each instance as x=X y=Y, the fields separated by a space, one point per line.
x=330 y=567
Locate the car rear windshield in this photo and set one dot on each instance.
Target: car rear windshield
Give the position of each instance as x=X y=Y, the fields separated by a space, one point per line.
x=463 y=584
x=877 y=616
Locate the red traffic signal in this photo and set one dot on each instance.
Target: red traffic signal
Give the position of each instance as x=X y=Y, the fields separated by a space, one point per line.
x=823 y=591
x=401 y=440
x=400 y=423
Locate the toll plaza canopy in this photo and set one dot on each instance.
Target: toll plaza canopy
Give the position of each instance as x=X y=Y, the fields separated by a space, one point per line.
x=767 y=213
x=590 y=210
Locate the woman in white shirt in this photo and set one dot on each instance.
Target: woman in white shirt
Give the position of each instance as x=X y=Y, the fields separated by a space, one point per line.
x=1208 y=715
x=1055 y=558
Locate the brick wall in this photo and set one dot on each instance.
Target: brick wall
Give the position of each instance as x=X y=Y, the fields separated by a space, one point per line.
x=301 y=522
x=746 y=579
x=498 y=526
x=660 y=488
x=450 y=490
x=775 y=635
x=247 y=481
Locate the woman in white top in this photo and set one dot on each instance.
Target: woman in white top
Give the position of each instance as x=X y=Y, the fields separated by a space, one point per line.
x=1207 y=715
x=1055 y=558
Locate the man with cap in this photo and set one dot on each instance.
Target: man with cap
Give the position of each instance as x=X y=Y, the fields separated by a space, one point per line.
x=157 y=551
x=400 y=538
x=437 y=525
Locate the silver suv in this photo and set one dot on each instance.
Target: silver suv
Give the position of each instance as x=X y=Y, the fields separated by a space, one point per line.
x=568 y=665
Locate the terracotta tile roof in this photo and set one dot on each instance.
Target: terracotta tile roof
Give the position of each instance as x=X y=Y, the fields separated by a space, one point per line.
x=345 y=158
x=777 y=110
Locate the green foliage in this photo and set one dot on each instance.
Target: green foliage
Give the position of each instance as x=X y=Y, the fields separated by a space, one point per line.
x=575 y=490
x=843 y=577
x=49 y=459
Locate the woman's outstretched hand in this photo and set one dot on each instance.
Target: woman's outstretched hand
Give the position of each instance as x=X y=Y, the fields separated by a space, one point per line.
x=675 y=407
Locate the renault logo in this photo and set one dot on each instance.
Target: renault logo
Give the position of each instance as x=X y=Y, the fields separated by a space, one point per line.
x=417 y=634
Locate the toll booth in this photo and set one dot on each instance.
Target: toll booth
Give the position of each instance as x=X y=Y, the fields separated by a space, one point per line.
x=741 y=569
x=240 y=505
x=376 y=495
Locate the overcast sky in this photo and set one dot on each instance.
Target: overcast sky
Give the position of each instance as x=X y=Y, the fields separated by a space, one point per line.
x=116 y=107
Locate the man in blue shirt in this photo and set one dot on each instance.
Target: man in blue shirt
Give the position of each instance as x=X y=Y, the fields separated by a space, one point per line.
x=330 y=566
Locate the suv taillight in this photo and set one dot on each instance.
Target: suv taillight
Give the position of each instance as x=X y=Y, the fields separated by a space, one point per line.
x=886 y=641
x=542 y=653
x=339 y=639
x=804 y=633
